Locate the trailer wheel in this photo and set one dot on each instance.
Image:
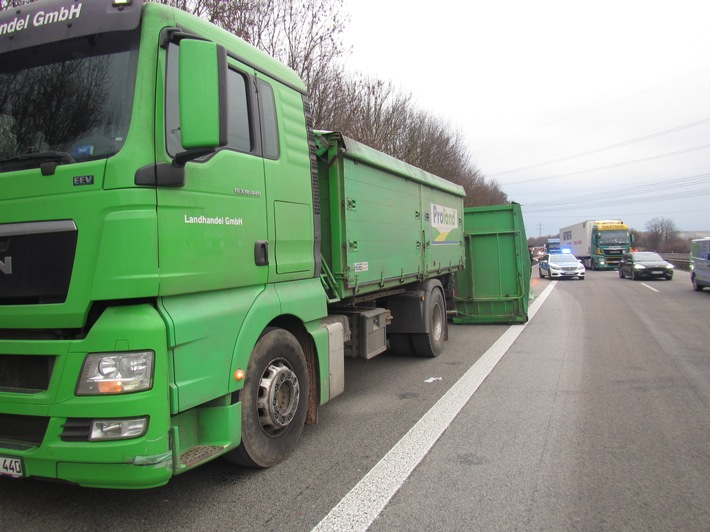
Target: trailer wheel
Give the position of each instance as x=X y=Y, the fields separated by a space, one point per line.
x=274 y=401
x=401 y=344
x=430 y=344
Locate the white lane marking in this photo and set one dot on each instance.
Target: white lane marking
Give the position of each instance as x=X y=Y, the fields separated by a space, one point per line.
x=364 y=502
x=650 y=287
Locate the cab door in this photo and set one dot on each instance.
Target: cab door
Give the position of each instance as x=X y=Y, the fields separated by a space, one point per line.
x=213 y=238
x=213 y=228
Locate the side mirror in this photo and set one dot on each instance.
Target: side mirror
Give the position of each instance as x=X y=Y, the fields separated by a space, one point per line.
x=202 y=86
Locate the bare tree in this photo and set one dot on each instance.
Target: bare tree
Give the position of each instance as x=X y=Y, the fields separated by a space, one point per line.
x=661 y=234
x=303 y=34
x=375 y=113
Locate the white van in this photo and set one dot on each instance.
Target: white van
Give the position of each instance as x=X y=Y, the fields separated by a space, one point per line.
x=700 y=263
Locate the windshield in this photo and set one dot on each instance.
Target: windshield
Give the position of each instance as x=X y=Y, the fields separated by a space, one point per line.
x=614 y=237
x=647 y=255
x=68 y=101
x=563 y=258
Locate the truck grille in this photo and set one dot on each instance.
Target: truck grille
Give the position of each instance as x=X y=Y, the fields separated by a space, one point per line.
x=36 y=261
x=25 y=373
x=20 y=432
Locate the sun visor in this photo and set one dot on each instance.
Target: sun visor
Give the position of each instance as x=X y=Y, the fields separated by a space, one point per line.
x=57 y=20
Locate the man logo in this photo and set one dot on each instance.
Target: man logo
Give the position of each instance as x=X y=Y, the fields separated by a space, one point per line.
x=6 y=265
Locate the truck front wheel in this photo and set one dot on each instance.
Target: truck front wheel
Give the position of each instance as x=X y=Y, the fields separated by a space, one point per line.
x=274 y=401
x=431 y=344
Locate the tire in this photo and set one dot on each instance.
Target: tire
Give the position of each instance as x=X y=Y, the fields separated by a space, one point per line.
x=401 y=344
x=539 y=271
x=274 y=401
x=432 y=343
x=633 y=275
x=696 y=286
x=621 y=274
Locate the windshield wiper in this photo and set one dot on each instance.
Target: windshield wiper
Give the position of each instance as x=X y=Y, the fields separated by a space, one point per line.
x=48 y=161
x=49 y=155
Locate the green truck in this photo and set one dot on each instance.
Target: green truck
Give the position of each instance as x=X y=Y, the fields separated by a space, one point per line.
x=184 y=262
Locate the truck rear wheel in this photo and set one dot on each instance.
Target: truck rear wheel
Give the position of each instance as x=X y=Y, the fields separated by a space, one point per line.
x=274 y=401
x=401 y=344
x=431 y=344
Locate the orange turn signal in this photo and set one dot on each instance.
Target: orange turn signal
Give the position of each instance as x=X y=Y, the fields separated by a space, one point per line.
x=110 y=387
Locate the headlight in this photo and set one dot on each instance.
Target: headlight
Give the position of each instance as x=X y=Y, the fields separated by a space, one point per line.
x=670 y=267
x=118 y=429
x=554 y=267
x=639 y=267
x=113 y=373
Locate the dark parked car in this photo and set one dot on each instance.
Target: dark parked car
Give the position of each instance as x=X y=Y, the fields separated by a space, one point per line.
x=645 y=265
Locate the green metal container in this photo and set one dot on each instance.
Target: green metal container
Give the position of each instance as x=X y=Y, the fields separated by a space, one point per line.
x=384 y=223
x=495 y=286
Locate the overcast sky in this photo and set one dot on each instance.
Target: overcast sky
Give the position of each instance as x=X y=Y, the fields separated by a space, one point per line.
x=580 y=110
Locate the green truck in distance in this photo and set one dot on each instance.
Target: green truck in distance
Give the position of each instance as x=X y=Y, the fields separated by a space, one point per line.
x=599 y=244
x=184 y=262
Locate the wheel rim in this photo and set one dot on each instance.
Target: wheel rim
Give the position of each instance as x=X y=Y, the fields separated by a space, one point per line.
x=437 y=323
x=279 y=394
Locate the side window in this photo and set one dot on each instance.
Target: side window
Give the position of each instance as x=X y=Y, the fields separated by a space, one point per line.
x=239 y=127
x=269 y=123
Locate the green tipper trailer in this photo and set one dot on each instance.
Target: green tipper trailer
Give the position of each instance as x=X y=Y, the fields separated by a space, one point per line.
x=386 y=222
x=495 y=286
x=184 y=263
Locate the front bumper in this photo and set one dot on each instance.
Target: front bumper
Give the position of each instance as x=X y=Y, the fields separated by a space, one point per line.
x=654 y=274
x=39 y=425
x=562 y=275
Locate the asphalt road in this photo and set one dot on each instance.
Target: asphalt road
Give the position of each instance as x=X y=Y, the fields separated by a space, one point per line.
x=596 y=417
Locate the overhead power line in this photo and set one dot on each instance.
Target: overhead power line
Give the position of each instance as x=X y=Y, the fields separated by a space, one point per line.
x=614 y=102
x=605 y=148
x=627 y=191
x=608 y=167
x=632 y=199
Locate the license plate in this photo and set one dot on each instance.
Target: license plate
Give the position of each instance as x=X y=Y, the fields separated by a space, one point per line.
x=11 y=467
x=656 y=272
